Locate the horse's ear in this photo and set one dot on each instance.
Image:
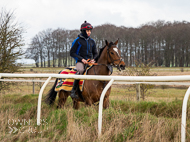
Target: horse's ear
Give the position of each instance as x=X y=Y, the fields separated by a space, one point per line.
x=116 y=42
x=107 y=43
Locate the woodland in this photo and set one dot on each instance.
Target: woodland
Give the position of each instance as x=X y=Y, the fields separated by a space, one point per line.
x=157 y=43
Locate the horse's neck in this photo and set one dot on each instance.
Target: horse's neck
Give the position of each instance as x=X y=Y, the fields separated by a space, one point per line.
x=104 y=57
x=101 y=69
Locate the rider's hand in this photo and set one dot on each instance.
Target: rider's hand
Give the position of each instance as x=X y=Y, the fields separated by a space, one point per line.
x=84 y=61
x=92 y=61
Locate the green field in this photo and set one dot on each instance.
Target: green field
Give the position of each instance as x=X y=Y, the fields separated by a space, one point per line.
x=157 y=118
x=156 y=70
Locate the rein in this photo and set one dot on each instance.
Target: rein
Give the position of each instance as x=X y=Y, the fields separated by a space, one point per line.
x=112 y=61
x=97 y=64
x=109 y=66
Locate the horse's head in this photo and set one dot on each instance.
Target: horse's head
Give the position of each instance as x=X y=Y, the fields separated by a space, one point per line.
x=114 y=55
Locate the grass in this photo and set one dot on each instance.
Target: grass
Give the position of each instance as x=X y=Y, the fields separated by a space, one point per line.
x=158 y=118
x=125 y=120
x=170 y=69
x=41 y=69
x=124 y=92
x=115 y=71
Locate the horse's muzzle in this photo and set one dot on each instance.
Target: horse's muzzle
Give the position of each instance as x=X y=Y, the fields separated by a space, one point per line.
x=121 y=67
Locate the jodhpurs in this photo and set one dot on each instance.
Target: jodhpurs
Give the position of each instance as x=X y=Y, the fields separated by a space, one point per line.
x=80 y=68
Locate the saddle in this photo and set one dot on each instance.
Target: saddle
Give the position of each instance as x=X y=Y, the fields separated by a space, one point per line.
x=67 y=84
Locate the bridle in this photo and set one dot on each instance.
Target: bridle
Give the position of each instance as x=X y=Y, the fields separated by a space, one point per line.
x=110 y=65
x=112 y=61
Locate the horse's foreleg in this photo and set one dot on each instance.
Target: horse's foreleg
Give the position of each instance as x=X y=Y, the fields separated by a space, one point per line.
x=106 y=102
x=76 y=104
x=88 y=102
x=63 y=95
x=106 y=99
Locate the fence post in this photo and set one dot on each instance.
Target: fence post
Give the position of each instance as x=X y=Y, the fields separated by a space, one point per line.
x=100 y=106
x=183 y=118
x=40 y=100
x=33 y=87
x=138 y=91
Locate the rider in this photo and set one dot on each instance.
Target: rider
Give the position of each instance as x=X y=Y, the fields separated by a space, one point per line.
x=83 y=48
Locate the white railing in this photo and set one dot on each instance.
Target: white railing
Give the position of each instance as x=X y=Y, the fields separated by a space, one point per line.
x=116 y=83
x=111 y=79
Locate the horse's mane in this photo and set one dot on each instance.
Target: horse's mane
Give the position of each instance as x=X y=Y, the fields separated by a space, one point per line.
x=101 y=49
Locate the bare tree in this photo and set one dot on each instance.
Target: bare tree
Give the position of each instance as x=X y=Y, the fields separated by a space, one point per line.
x=11 y=43
x=33 y=51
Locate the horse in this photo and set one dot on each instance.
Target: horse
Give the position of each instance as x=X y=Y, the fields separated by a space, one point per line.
x=108 y=57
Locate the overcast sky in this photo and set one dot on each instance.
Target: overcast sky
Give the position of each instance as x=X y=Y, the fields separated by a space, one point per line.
x=38 y=15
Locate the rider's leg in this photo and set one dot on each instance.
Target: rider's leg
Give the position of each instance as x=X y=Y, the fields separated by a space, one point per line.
x=80 y=70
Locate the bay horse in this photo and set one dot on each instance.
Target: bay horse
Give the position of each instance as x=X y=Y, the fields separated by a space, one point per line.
x=109 y=56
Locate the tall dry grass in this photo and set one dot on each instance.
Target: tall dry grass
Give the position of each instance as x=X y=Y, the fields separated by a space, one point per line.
x=157 y=119
x=123 y=121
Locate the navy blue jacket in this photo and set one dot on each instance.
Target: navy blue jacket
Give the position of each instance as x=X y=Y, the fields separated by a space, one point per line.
x=83 y=48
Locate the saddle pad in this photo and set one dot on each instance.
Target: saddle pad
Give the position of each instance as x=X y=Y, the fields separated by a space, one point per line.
x=67 y=84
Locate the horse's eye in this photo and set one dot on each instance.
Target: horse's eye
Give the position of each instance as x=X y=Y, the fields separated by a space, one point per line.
x=112 y=53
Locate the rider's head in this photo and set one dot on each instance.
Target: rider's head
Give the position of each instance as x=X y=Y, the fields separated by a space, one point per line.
x=86 y=29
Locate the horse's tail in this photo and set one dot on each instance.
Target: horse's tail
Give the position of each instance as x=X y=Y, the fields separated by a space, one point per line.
x=50 y=97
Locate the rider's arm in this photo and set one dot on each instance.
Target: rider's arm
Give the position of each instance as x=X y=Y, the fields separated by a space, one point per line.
x=74 y=51
x=94 y=51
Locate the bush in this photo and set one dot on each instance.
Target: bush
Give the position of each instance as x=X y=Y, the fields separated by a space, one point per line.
x=141 y=69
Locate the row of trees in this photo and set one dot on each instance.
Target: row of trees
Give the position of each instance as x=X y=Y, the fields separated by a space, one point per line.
x=51 y=47
x=162 y=43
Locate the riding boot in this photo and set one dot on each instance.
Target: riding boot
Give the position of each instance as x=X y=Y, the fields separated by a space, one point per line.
x=73 y=91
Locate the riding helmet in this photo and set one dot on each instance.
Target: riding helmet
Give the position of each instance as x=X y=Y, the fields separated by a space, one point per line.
x=86 y=26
